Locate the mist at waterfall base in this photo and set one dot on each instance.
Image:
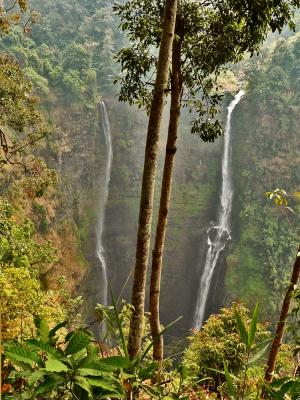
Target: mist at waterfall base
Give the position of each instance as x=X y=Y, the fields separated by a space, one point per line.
x=102 y=284
x=219 y=234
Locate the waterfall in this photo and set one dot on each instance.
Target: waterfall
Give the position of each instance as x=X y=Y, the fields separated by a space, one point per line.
x=103 y=202
x=218 y=235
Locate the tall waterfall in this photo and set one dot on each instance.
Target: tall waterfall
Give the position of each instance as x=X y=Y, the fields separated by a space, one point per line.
x=218 y=235
x=103 y=201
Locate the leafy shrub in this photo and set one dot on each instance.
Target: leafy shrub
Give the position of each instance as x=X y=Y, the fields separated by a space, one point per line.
x=217 y=341
x=66 y=369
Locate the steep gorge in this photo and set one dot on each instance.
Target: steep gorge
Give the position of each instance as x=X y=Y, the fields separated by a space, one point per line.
x=70 y=80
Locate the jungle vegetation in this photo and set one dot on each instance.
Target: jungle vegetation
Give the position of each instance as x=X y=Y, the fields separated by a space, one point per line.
x=57 y=54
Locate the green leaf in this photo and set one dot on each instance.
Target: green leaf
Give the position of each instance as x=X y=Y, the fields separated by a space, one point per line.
x=35 y=376
x=38 y=345
x=148 y=371
x=121 y=332
x=108 y=364
x=53 y=331
x=46 y=386
x=280 y=387
x=253 y=325
x=172 y=396
x=53 y=365
x=84 y=384
x=241 y=328
x=295 y=390
x=278 y=383
x=285 y=389
x=230 y=385
x=90 y=372
x=184 y=373
x=42 y=329
x=106 y=384
x=78 y=341
x=258 y=355
x=19 y=354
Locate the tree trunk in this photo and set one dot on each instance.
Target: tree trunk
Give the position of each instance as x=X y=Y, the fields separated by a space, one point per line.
x=282 y=320
x=147 y=192
x=165 y=195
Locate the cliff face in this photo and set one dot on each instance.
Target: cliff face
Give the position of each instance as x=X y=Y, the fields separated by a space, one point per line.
x=71 y=69
x=193 y=200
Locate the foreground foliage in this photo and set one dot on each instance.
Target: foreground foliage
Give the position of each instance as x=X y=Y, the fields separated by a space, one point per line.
x=225 y=359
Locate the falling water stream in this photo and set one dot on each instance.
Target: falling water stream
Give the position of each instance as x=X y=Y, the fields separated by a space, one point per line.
x=218 y=235
x=103 y=202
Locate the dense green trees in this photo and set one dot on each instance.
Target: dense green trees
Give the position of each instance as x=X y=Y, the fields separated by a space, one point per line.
x=267 y=238
x=22 y=258
x=22 y=125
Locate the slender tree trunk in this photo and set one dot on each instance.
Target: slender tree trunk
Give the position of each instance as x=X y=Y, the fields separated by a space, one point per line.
x=165 y=195
x=282 y=320
x=147 y=192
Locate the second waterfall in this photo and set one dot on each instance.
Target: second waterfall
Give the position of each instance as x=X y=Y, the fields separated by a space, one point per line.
x=103 y=285
x=218 y=235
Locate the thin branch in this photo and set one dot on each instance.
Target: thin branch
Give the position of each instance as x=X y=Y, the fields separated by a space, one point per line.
x=10 y=8
x=10 y=154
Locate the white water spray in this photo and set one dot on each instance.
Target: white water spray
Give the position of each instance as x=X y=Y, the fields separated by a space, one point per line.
x=218 y=235
x=103 y=202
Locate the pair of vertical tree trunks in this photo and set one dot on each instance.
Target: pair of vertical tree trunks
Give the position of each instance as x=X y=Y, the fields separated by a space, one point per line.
x=165 y=195
x=148 y=181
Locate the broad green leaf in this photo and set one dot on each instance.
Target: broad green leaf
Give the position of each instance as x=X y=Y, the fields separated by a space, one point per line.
x=116 y=362
x=295 y=390
x=108 y=364
x=53 y=331
x=278 y=383
x=53 y=365
x=35 y=376
x=78 y=341
x=172 y=396
x=83 y=383
x=106 y=384
x=20 y=354
x=39 y=345
x=253 y=325
x=91 y=372
x=285 y=389
x=241 y=328
x=46 y=386
x=183 y=372
x=148 y=371
x=230 y=385
x=42 y=329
